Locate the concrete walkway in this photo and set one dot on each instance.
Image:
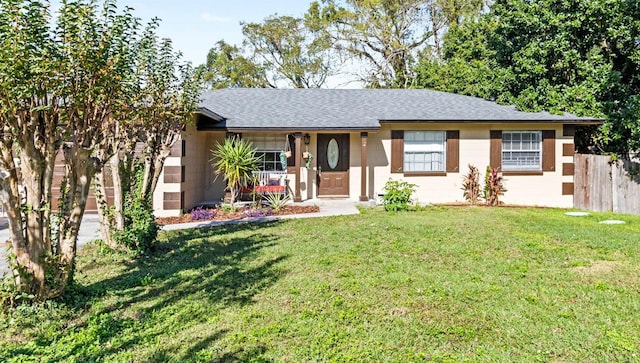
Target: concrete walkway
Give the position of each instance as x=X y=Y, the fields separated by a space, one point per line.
x=90 y=227
x=328 y=207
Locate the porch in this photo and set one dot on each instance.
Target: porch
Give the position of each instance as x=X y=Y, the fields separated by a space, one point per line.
x=322 y=165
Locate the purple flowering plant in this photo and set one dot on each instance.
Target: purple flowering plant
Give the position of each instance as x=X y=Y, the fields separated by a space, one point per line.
x=202 y=214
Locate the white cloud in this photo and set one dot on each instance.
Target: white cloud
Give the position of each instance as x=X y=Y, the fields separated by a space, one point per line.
x=214 y=18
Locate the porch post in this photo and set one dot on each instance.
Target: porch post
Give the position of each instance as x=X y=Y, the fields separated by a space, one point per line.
x=363 y=167
x=298 y=161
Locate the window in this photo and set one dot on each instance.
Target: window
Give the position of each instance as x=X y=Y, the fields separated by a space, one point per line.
x=269 y=160
x=424 y=151
x=521 y=150
x=269 y=147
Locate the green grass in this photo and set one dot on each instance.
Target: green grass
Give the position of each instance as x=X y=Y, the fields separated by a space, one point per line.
x=441 y=284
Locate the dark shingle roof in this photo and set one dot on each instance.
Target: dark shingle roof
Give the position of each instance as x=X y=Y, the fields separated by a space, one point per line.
x=308 y=109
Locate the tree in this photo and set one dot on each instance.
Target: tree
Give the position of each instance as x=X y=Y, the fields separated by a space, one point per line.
x=167 y=92
x=580 y=57
x=227 y=67
x=467 y=65
x=387 y=35
x=290 y=51
x=60 y=92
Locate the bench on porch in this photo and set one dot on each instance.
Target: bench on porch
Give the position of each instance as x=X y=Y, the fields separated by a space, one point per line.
x=265 y=182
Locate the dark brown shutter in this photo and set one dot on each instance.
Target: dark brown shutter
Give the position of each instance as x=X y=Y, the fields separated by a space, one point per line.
x=453 y=151
x=397 y=151
x=291 y=161
x=548 y=150
x=495 y=159
x=568 y=130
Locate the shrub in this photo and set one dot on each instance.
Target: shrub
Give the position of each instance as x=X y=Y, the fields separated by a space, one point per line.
x=485 y=189
x=140 y=227
x=258 y=212
x=494 y=187
x=228 y=208
x=235 y=159
x=277 y=200
x=471 y=185
x=397 y=196
x=202 y=214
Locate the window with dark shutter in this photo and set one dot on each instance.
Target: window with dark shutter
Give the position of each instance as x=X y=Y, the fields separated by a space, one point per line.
x=424 y=152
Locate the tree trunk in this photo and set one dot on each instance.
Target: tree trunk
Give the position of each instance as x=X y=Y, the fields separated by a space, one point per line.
x=158 y=164
x=80 y=171
x=32 y=171
x=118 y=191
x=104 y=214
x=12 y=208
x=156 y=152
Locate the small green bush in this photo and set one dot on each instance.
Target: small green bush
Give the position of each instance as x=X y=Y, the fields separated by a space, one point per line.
x=397 y=196
x=141 y=229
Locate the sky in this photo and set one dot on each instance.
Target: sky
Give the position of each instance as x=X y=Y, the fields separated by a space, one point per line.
x=195 y=26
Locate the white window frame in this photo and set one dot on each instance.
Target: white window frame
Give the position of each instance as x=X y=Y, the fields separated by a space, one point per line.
x=269 y=147
x=425 y=151
x=523 y=154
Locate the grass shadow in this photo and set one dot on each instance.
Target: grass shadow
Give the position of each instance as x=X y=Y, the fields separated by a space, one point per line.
x=157 y=293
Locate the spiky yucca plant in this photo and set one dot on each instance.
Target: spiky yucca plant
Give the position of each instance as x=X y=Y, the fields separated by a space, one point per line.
x=235 y=159
x=471 y=185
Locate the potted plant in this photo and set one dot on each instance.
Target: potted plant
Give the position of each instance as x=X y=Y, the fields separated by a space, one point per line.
x=308 y=157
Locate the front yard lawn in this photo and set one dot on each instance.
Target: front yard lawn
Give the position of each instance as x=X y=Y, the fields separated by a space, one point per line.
x=440 y=284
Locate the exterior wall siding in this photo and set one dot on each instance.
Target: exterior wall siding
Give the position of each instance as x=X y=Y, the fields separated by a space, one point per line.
x=195 y=164
x=543 y=190
x=546 y=189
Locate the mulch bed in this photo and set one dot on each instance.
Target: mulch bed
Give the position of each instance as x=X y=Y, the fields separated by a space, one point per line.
x=239 y=214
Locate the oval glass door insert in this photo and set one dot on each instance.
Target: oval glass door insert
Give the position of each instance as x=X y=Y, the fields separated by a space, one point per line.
x=333 y=153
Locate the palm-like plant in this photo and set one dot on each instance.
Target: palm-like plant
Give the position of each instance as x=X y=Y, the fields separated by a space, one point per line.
x=235 y=159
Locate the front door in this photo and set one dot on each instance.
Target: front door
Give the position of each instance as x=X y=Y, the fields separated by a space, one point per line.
x=333 y=165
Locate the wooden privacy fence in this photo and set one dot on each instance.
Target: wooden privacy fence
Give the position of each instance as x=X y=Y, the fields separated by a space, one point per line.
x=606 y=186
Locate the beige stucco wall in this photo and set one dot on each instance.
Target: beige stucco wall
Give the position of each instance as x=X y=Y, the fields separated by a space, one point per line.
x=195 y=162
x=162 y=187
x=540 y=190
x=213 y=185
x=201 y=184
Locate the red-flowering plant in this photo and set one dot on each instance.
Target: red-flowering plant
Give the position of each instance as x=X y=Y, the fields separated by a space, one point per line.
x=494 y=187
x=471 y=185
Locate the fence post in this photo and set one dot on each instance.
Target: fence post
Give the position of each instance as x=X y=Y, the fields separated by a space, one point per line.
x=614 y=186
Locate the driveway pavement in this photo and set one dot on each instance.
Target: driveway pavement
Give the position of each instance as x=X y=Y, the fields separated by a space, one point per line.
x=89 y=231
x=90 y=227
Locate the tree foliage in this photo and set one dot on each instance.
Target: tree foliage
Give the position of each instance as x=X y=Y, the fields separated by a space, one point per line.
x=290 y=51
x=227 y=67
x=167 y=92
x=60 y=92
x=387 y=35
x=81 y=88
x=562 y=56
